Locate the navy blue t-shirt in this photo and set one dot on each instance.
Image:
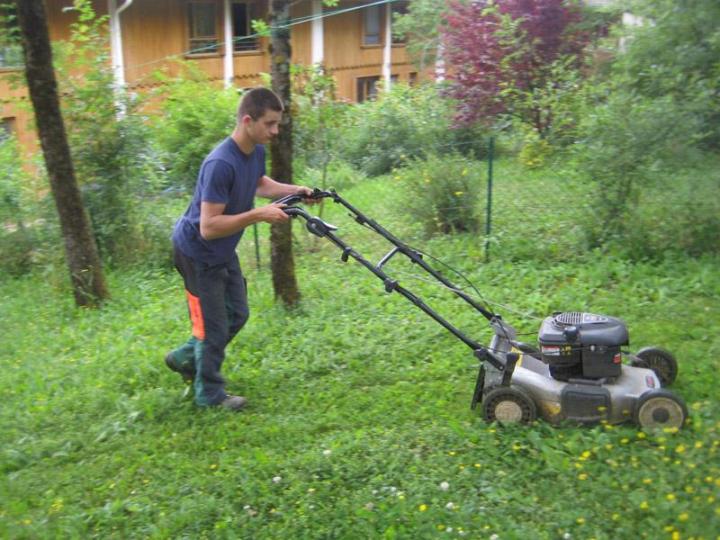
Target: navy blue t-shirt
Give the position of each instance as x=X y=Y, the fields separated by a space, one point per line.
x=227 y=176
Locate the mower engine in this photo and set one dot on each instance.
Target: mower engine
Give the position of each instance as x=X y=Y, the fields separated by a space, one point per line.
x=579 y=345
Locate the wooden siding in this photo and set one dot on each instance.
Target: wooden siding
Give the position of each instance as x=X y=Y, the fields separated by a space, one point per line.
x=155 y=34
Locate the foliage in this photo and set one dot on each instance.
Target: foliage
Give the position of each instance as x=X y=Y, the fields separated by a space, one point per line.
x=408 y=122
x=109 y=142
x=674 y=54
x=505 y=58
x=420 y=27
x=535 y=151
x=646 y=124
x=442 y=192
x=630 y=146
x=10 y=46
x=359 y=423
x=196 y=115
x=317 y=117
x=17 y=239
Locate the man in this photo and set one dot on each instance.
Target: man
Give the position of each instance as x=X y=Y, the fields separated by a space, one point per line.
x=205 y=238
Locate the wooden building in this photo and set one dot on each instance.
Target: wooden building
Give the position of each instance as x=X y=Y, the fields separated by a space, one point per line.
x=352 y=40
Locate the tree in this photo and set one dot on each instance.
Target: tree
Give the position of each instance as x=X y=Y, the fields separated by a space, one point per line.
x=81 y=253
x=674 y=54
x=281 y=151
x=420 y=27
x=505 y=57
x=282 y=263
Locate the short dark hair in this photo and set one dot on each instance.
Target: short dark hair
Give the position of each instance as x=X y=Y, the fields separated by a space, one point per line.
x=258 y=100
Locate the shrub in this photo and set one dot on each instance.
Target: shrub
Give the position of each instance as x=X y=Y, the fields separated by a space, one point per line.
x=404 y=124
x=629 y=147
x=110 y=144
x=17 y=239
x=317 y=117
x=196 y=115
x=678 y=213
x=442 y=193
x=535 y=151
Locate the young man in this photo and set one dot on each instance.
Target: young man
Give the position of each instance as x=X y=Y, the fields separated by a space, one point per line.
x=205 y=238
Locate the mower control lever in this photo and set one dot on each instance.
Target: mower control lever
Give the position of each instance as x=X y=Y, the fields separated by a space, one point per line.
x=314 y=224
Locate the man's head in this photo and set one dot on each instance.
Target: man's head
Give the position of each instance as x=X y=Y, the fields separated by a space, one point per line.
x=257 y=101
x=259 y=114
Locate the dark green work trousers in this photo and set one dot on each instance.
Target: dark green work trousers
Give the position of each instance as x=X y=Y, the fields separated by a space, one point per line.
x=217 y=302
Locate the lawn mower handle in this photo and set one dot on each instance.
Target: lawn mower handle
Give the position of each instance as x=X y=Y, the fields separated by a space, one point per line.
x=299 y=197
x=503 y=363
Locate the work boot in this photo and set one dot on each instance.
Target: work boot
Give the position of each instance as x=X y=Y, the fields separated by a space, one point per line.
x=188 y=376
x=233 y=403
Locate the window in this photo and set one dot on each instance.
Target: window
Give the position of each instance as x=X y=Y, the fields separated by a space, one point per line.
x=367 y=88
x=371 y=26
x=10 y=48
x=242 y=28
x=202 y=18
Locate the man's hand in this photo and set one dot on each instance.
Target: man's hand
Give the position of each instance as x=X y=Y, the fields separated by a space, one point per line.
x=273 y=213
x=307 y=194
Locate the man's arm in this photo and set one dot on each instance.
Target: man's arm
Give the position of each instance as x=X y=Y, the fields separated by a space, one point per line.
x=270 y=189
x=214 y=224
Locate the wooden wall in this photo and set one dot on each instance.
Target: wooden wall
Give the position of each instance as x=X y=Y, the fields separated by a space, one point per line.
x=155 y=35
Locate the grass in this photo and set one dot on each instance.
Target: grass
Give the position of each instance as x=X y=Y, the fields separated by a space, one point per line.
x=359 y=423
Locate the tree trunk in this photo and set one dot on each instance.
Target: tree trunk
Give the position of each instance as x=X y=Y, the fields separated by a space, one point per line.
x=81 y=253
x=282 y=263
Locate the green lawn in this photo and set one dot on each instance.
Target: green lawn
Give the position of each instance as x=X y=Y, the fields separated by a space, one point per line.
x=359 y=423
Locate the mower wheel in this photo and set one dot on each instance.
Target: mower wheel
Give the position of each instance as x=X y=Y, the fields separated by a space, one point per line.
x=508 y=405
x=660 y=409
x=660 y=361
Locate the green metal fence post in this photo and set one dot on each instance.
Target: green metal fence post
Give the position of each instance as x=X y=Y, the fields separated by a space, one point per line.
x=257 y=246
x=488 y=217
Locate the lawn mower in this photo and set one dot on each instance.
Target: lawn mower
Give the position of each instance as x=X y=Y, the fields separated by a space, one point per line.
x=579 y=371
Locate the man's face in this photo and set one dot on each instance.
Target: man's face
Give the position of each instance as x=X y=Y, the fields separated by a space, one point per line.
x=265 y=128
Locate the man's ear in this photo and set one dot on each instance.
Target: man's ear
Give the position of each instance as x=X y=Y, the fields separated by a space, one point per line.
x=245 y=119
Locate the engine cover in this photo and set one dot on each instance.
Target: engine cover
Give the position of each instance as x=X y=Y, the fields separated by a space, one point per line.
x=577 y=344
